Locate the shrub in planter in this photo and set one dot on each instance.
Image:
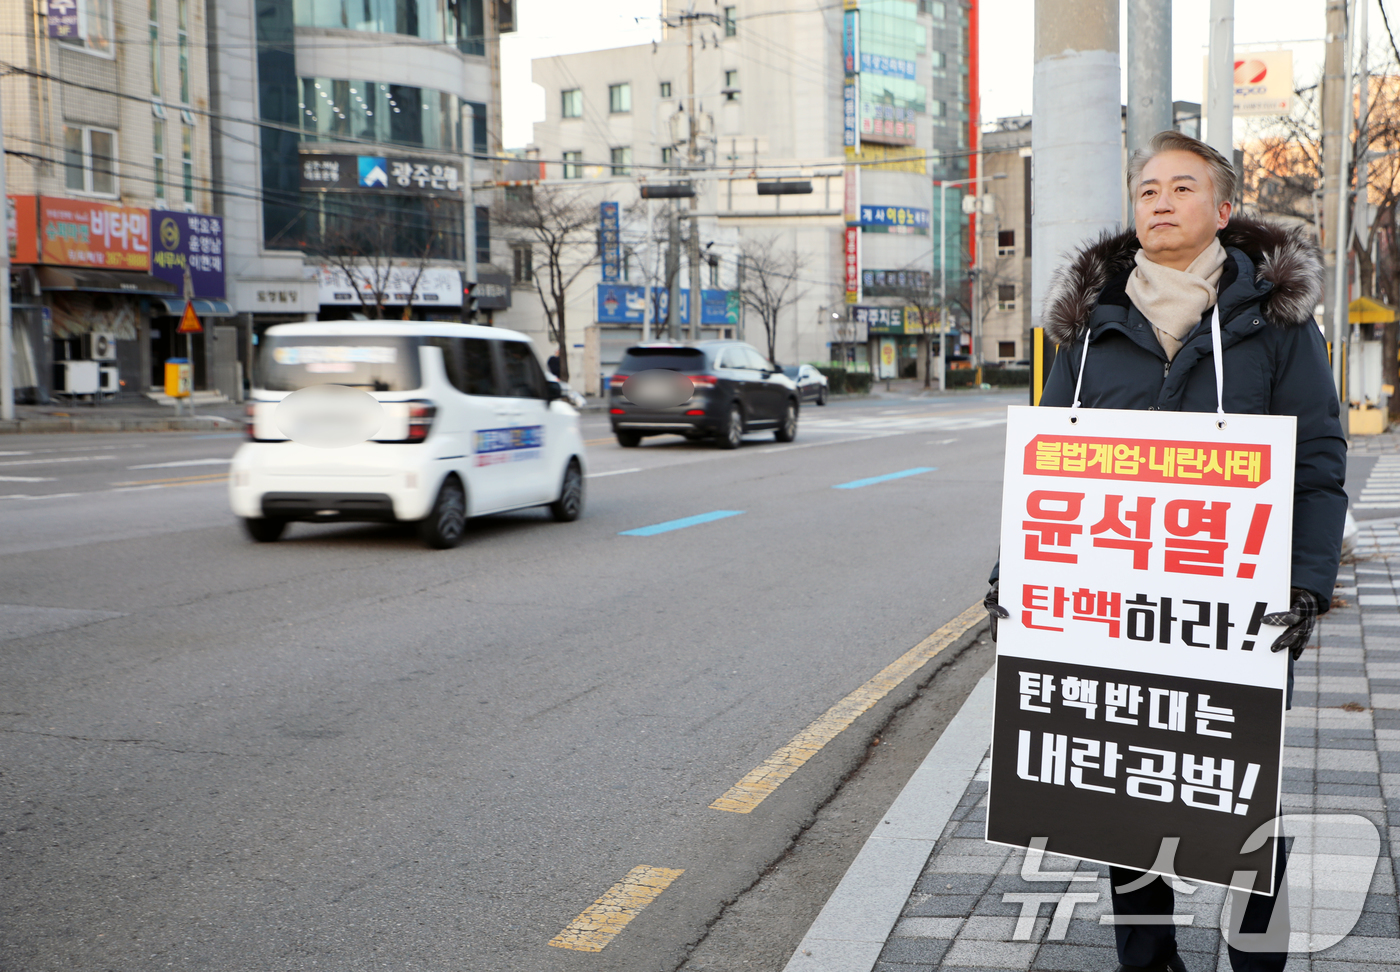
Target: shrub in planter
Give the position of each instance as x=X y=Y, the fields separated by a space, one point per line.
x=858 y=382
x=835 y=379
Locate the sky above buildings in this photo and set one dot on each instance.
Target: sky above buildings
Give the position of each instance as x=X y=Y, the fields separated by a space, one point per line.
x=551 y=27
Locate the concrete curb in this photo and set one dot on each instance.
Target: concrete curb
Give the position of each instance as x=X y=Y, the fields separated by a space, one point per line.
x=41 y=426
x=857 y=919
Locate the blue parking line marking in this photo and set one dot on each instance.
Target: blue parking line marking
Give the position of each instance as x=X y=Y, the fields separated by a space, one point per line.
x=858 y=483
x=689 y=521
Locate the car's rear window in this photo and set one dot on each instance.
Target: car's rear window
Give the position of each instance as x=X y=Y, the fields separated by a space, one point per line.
x=791 y=370
x=382 y=363
x=690 y=360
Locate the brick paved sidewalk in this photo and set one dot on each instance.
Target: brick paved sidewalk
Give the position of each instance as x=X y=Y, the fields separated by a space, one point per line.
x=1342 y=755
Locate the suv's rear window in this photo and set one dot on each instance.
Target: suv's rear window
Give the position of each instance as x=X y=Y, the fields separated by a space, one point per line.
x=673 y=359
x=383 y=363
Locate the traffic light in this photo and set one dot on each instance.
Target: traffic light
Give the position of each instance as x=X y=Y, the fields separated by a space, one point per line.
x=468 y=302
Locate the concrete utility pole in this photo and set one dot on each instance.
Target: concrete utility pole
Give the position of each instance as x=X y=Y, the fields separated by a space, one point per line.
x=1220 y=99
x=7 y=347
x=1075 y=134
x=673 y=274
x=1336 y=121
x=469 y=204
x=1149 y=70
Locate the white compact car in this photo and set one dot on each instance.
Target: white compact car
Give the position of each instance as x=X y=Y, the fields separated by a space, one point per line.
x=471 y=425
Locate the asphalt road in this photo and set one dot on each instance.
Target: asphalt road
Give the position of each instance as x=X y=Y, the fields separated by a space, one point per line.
x=345 y=751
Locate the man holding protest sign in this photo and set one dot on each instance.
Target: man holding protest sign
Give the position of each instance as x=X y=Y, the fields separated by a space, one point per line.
x=1191 y=312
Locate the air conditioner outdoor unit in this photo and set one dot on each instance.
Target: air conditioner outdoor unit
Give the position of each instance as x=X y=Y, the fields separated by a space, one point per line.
x=76 y=377
x=100 y=346
x=110 y=380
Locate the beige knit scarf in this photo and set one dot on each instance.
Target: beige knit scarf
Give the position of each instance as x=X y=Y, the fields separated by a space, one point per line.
x=1174 y=300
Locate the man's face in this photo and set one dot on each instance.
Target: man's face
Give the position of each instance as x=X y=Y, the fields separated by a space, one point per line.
x=1175 y=211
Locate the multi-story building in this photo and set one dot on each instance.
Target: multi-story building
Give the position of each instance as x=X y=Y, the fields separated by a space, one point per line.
x=341 y=143
x=872 y=106
x=106 y=129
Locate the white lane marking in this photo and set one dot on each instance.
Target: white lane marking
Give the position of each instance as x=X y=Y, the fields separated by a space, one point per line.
x=26 y=479
x=612 y=472
x=47 y=462
x=222 y=483
x=16 y=453
x=183 y=462
x=41 y=496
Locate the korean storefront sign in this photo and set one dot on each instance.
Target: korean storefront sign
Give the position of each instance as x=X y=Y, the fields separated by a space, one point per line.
x=189 y=240
x=62 y=17
x=609 y=242
x=377 y=173
x=892 y=124
x=1137 y=699
x=78 y=233
x=850 y=112
x=894 y=219
x=440 y=286
x=852 y=264
x=623 y=304
x=879 y=320
x=21 y=228
x=850 y=39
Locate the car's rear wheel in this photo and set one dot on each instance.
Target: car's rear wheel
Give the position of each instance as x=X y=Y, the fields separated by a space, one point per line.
x=731 y=434
x=787 y=429
x=569 y=506
x=629 y=440
x=265 y=529
x=444 y=525
x=821 y=397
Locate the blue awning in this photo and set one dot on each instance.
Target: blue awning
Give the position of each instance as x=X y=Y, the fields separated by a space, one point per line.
x=175 y=306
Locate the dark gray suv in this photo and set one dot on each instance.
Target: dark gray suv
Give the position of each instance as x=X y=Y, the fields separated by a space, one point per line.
x=736 y=390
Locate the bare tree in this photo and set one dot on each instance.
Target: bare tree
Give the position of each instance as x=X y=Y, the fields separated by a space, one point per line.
x=771 y=283
x=384 y=256
x=561 y=226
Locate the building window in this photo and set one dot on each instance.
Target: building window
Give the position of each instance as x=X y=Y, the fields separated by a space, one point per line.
x=731 y=85
x=1006 y=242
x=522 y=262
x=187 y=162
x=573 y=165
x=89 y=160
x=665 y=89
x=333 y=109
x=622 y=161
x=619 y=98
x=933 y=8
x=667 y=155
x=461 y=22
x=1006 y=296
x=94 y=27
x=938 y=59
x=153 y=16
x=714 y=271
x=483 y=234
x=731 y=25
x=571 y=103
x=158 y=158
x=938 y=108
x=1006 y=349
x=182 y=43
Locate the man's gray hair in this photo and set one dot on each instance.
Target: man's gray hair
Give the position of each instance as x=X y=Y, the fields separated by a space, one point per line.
x=1222 y=173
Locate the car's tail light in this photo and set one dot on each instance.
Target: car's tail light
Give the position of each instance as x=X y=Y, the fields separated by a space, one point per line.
x=617 y=381
x=619 y=411
x=696 y=411
x=706 y=381
x=420 y=420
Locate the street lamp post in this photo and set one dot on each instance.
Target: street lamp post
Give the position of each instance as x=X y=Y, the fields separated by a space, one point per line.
x=943 y=272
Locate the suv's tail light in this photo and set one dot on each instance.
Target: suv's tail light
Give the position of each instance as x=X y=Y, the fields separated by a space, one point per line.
x=706 y=381
x=617 y=381
x=420 y=420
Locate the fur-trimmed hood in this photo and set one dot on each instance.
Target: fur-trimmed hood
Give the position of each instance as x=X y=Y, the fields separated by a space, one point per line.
x=1286 y=258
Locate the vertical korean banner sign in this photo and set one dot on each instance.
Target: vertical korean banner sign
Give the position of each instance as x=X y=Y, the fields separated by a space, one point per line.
x=1136 y=695
x=609 y=243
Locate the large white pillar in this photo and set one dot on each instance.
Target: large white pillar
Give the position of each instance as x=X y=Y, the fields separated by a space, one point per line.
x=1149 y=70
x=1076 y=133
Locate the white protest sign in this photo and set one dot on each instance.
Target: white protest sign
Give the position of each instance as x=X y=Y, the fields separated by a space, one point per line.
x=1137 y=698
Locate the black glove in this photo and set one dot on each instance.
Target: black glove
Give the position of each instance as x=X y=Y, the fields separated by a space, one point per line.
x=1298 y=619
x=992 y=602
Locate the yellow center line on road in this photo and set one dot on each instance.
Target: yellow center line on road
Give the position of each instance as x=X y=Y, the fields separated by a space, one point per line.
x=603 y=919
x=202 y=478
x=754 y=788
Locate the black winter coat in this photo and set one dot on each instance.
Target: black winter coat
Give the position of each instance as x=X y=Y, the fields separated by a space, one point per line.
x=1275 y=363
